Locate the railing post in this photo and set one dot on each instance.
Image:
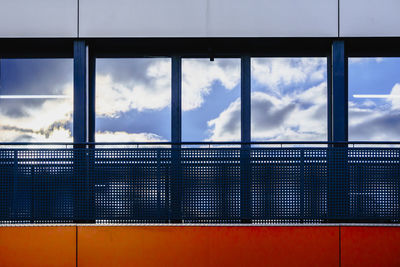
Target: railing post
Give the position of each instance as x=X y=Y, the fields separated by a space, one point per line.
x=91 y=168
x=302 y=183
x=245 y=168
x=176 y=185
x=15 y=184
x=338 y=184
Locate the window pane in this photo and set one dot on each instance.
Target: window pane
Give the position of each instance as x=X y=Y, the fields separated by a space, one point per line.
x=210 y=100
x=133 y=99
x=374 y=99
x=289 y=99
x=36 y=100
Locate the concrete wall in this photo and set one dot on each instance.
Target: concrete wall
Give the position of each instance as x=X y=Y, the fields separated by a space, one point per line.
x=199 y=18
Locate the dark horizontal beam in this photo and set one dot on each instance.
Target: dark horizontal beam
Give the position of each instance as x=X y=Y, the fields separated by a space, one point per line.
x=199 y=47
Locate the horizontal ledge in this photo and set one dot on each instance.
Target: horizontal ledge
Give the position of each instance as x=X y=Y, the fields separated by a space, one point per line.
x=204 y=225
x=206 y=143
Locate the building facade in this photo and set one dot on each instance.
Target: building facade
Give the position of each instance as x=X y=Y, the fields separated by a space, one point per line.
x=286 y=164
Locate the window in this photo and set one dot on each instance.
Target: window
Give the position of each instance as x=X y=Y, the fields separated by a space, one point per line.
x=374 y=99
x=133 y=100
x=210 y=100
x=288 y=99
x=36 y=100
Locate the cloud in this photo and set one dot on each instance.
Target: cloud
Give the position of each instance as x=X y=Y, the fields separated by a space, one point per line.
x=32 y=77
x=394 y=100
x=199 y=75
x=361 y=60
x=226 y=127
x=116 y=94
x=49 y=121
x=140 y=84
x=370 y=121
x=274 y=74
x=296 y=116
x=57 y=132
x=122 y=136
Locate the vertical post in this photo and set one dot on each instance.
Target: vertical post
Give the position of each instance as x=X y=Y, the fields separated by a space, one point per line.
x=80 y=91
x=92 y=96
x=338 y=184
x=339 y=93
x=245 y=168
x=91 y=130
x=176 y=136
x=329 y=96
x=80 y=128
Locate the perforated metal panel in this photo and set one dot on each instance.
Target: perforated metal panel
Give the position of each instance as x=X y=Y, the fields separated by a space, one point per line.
x=199 y=185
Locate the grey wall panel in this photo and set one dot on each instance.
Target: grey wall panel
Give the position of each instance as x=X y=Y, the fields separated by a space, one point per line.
x=371 y=18
x=142 y=18
x=273 y=18
x=208 y=18
x=38 y=18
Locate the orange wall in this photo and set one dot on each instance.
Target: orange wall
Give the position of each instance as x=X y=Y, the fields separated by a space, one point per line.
x=208 y=246
x=37 y=246
x=199 y=246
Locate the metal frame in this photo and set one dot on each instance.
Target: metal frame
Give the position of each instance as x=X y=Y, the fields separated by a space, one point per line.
x=337 y=51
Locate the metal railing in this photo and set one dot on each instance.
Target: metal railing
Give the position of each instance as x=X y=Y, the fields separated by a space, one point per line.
x=190 y=182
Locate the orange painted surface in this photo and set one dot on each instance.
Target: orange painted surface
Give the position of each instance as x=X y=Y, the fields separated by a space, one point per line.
x=370 y=246
x=208 y=246
x=37 y=246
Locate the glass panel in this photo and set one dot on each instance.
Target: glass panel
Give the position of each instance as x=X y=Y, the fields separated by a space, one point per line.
x=374 y=99
x=289 y=99
x=36 y=100
x=133 y=100
x=210 y=100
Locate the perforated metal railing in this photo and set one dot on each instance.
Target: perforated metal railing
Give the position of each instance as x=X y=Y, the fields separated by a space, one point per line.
x=206 y=183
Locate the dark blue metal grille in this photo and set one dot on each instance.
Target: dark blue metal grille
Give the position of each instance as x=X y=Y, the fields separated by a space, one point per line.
x=200 y=185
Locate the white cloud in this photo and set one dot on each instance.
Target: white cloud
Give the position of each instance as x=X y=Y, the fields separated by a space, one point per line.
x=199 y=75
x=114 y=98
x=296 y=116
x=41 y=123
x=154 y=90
x=395 y=101
x=361 y=60
x=121 y=137
x=375 y=121
x=276 y=73
x=226 y=127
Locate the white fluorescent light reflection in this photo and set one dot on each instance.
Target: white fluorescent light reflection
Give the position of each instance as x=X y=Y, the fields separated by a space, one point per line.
x=376 y=96
x=33 y=96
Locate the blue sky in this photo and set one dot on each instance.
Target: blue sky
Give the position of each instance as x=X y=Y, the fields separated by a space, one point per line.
x=375 y=119
x=133 y=99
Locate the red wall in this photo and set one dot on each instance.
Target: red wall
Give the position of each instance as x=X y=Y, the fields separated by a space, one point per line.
x=199 y=246
x=370 y=246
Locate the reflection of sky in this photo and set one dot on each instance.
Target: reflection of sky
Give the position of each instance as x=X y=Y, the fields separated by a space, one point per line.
x=374 y=119
x=41 y=119
x=289 y=99
x=216 y=98
x=133 y=99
